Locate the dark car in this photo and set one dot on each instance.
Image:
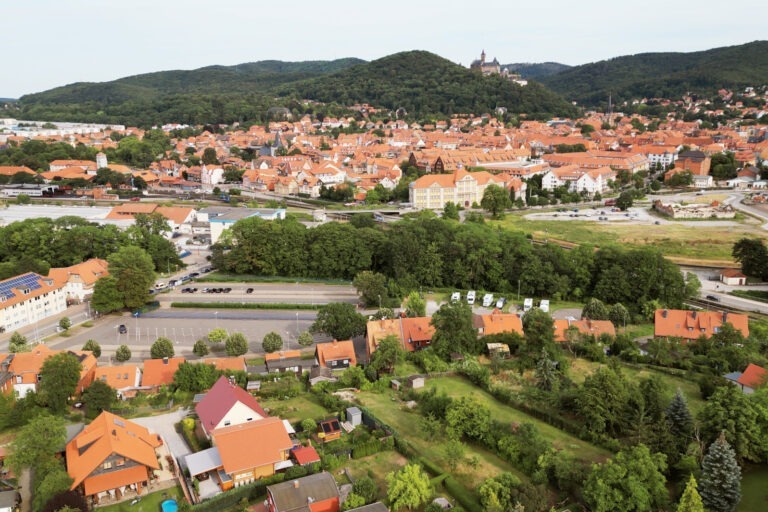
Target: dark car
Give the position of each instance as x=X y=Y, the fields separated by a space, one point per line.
x=122 y=329
x=194 y=275
x=249 y=290
x=226 y=290
x=713 y=298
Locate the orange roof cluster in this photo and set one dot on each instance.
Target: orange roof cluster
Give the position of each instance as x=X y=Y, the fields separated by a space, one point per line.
x=498 y=322
x=160 y=371
x=585 y=326
x=87 y=272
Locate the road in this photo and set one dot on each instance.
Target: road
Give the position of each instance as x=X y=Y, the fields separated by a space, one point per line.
x=263 y=293
x=711 y=285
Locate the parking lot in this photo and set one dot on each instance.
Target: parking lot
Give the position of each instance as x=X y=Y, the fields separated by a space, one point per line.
x=184 y=327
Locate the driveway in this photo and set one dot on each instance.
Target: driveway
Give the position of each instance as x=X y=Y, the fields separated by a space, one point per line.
x=163 y=424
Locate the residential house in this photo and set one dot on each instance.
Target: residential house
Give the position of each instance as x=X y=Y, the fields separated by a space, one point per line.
x=78 y=280
x=227 y=404
x=692 y=325
x=244 y=453
x=29 y=298
x=159 y=372
x=336 y=355
x=286 y=361
x=125 y=379
x=24 y=369
x=112 y=457
x=750 y=379
x=413 y=333
x=226 y=364
x=585 y=327
x=497 y=323
x=313 y=493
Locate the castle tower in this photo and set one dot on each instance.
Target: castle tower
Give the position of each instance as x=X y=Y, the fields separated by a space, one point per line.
x=482 y=57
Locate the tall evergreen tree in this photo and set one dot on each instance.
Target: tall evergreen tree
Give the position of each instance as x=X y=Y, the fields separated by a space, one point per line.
x=680 y=421
x=690 y=501
x=720 y=487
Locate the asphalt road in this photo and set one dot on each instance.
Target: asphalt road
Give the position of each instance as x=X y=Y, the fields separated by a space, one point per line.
x=263 y=293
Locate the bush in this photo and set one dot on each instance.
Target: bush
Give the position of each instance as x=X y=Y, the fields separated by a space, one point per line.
x=123 y=353
x=94 y=347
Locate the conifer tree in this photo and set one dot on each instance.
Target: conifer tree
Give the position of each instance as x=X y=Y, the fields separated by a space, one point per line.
x=690 y=501
x=720 y=487
x=680 y=421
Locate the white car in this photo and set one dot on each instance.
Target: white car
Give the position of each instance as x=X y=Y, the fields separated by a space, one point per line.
x=500 y=303
x=471 y=297
x=161 y=286
x=487 y=300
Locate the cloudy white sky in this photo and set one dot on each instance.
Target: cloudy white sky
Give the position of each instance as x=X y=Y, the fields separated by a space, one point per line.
x=48 y=43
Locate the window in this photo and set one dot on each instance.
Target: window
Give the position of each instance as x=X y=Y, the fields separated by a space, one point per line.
x=227 y=423
x=107 y=465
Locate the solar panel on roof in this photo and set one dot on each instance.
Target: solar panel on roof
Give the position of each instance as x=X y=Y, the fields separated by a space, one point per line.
x=30 y=280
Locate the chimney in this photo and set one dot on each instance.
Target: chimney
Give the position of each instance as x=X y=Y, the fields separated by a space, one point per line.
x=165 y=360
x=232 y=380
x=694 y=315
x=335 y=342
x=725 y=316
x=295 y=484
x=664 y=314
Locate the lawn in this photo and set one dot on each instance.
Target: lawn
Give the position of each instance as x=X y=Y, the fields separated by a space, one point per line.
x=457 y=387
x=705 y=242
x=148 y=503
x=387 y=407
x=754 y=491
x=581 y=368
x=295 y=409
x=377 y=466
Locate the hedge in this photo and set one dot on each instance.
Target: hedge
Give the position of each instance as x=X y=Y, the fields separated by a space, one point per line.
x=245 y=305
x=232 y=497
x=462 y=495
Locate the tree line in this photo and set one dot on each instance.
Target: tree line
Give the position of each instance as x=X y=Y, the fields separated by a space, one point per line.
x=429 y=252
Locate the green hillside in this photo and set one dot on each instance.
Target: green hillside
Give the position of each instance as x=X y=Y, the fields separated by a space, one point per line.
x=420 y=82
x=536 y=70
x=423 y=83
x=668 y=75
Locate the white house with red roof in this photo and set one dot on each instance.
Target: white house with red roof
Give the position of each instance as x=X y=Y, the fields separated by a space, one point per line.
x=750 y=379
x=227 y=404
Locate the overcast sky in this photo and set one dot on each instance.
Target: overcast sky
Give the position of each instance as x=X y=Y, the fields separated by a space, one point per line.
x=48 y=43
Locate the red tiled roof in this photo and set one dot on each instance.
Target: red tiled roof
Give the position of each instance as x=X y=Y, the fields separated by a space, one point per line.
x=158 y=371
x=691 y=325
x=305 y=455
x=753 y=377
x=220 y=400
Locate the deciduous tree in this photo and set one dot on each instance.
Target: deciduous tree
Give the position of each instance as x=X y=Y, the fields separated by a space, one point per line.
x=135 y=272
x=60 y=374
x=415 y=305
x=106 y=296
x=495 y=200
x=236 y=344
x=99 y=397
x=339 y=320
x=37 y=442
x=161 y=348
x=454 y=331
x=408 y=488
x=123 y=353
x=94 y=347
x=306 y=339
x=372 y=287
x=272 y=342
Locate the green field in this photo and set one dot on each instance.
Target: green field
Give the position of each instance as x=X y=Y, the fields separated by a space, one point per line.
x=581 y=368
x=710 y=243
x=389 y=409
x=295 y=409
x=457 y=387
x=377 y=465
x=754 y=490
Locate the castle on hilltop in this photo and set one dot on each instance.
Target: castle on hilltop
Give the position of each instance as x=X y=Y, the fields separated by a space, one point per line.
x=494 y=68
x=486 y=68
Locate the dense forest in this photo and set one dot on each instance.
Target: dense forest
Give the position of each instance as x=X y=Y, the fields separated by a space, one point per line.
x=423 y=83
x=431 y=252
x=536 y=70
x=420 y=82
x=663 y=75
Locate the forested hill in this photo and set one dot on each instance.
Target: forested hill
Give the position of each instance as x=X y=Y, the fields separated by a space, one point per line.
x=424 y=83
x=663 y=75
x=535 y=70
x=421 y=82
x=241 y=78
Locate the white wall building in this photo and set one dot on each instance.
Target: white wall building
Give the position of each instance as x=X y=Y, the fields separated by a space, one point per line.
x=29 y=298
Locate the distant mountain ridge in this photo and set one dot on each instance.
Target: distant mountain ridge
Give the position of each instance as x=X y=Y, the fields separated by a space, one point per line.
x=667 y=75
x=536 y=70
x=420 y=82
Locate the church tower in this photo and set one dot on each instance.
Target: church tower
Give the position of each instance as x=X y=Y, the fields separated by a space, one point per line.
x=482 y=57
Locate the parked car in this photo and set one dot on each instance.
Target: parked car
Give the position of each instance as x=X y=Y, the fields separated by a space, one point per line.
x=713 y=298
x=122 y=329
x=487 y=300
x=249 y=290
x=471 y=297
x=500 y=303
x=161 y=286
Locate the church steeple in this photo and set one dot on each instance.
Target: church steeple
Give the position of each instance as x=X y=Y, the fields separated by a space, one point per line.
x=482 y=57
